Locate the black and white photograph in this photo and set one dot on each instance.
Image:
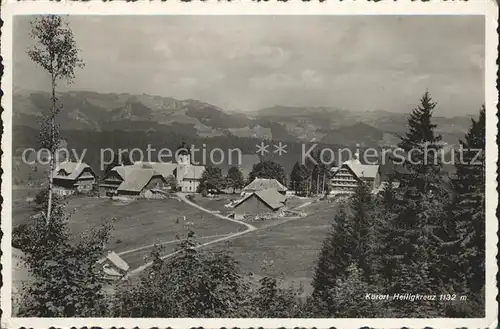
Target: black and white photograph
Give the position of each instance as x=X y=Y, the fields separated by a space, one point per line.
x=249 y=167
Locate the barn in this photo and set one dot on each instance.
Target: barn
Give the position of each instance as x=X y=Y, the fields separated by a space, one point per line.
x=260 y=184
x=141 y=183
x=113 y=267
x=263 y=202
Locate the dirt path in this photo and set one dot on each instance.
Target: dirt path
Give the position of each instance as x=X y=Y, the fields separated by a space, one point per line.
x=189 y=202
x=182 y=197
x=225 y=237
x=131 y=251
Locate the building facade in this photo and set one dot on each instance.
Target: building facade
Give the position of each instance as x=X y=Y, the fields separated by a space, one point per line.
x=188 y=176
x=261 y=203
x=135 y=179
x=346 y=178
x=71 y=177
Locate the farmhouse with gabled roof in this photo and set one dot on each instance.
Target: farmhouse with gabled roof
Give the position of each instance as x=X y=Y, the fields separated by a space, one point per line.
x=70 y=177
x=259 y=184
x=260 y=202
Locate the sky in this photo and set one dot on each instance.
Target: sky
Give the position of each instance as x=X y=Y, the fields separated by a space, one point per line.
x=245 y=63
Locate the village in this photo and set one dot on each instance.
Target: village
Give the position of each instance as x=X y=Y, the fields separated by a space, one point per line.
x=311 y=200
x=261 y=202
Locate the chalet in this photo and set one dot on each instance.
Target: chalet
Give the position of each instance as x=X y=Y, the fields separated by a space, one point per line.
x=116 y=178
x=262 y=202
x=113 y=267
x=70 y=177
x=346 y=178
x=259 y=184
x=141 y=183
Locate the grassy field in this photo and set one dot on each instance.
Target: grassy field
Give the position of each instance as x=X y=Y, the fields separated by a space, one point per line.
x=139 y=223
x=216 y=203
x=289 y=250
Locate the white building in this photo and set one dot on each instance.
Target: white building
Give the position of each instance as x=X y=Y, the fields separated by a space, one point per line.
x=188 y=176
x=346 y=178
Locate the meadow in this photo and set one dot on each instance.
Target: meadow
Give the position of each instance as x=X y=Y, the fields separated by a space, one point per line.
x=286 y=248
x=138 y=223
x=288 y=251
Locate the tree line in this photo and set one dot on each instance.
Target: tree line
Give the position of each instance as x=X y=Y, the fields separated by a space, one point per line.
x=424 y=235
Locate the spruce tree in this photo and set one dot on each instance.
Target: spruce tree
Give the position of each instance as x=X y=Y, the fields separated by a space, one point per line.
x=298 y=178
x=335 y=257
x=469 y=206
x=421 y=145
x=361 y=204
x=413 y=236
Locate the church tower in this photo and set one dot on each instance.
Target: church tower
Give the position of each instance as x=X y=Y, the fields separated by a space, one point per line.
x=183 y=156
x=183 y=159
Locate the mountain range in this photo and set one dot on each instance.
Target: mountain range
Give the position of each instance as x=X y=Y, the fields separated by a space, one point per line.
x=92 y=111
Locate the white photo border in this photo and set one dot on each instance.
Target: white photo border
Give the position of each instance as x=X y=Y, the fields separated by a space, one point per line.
x=488 y=8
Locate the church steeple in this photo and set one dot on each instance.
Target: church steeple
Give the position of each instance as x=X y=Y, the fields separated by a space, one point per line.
x=182 y=153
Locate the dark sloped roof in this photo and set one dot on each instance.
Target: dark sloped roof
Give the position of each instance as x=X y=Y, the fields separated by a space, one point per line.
x=271 y=197
x=72 y=170
x=259 y=184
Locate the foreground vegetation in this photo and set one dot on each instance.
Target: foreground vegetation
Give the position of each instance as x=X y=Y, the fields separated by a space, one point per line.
x=427 y=236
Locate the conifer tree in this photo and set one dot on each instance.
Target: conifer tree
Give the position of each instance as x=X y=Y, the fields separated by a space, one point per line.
x=362 y=206
x=350 y=300
x=469 y=205
x=298 y=178
x=422 y=147
x=413 y=237
x=335 y=257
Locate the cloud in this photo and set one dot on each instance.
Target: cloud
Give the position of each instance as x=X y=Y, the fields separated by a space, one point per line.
x=249 y=62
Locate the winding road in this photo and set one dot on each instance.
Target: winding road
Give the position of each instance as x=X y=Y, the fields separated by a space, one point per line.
x=182 y=197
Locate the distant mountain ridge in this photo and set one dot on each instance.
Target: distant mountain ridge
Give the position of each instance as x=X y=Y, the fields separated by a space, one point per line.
x=83 y=110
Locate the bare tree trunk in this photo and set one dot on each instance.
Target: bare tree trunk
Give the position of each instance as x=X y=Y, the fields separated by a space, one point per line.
x=323 y=185
x=317 y=182
x=51 y=151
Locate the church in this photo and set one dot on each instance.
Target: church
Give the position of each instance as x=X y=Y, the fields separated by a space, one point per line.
x=148 y=179
x=188 y=175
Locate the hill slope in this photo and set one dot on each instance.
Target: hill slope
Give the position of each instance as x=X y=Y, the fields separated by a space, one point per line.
x=103 y=112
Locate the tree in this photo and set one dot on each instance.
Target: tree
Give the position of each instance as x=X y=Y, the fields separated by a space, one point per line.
x=190 y=284
x=335 y=257
x=350 y=300
x=66 y=279
x=271 y=301
x=267 y=169
x=57 y=54
x=412 y=223
x=361 y=204
x=172 y=182
x=421 y=144
x=211 y=179
x=298 y=178
x=469 y=207
x=234 y=178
